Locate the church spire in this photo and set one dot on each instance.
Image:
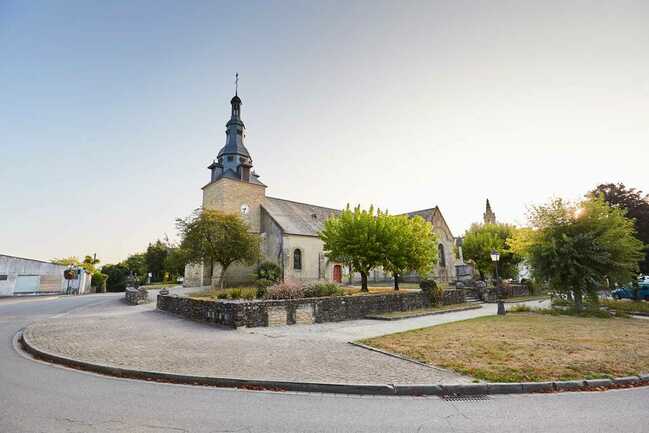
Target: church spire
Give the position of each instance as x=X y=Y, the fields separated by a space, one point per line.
x=233 y=160
x=489 y=217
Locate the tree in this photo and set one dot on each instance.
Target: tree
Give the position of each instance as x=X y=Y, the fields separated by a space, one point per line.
x=175 y=261
x=67 y=261
x=99 y=280
x=218 y=238
x=155 y=256
x=358 y=236
x=409 y=245
x=576 y=249
x=481 y=239
x=115 y=277
x=89 y=263
x=136 y=265
x=637 y=208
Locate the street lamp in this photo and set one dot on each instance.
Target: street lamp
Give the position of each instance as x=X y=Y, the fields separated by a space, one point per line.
x=495 y=257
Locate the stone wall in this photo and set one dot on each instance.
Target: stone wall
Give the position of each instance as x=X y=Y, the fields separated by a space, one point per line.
x=134 y=296
x=239 y=313
x=490 y=294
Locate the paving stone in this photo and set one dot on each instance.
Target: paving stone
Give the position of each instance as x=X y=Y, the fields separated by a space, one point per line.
x=139 y=337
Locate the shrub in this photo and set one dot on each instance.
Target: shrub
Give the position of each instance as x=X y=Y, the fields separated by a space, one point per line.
x=248 y=294
x=269 y=271
x=263 y=282
x=432 y=291
x=520 y=309
x=284 y=291
x=317 y=290
x=235 y=293
x=222 y=295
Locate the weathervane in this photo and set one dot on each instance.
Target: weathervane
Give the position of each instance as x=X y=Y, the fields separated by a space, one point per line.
x=236 y=84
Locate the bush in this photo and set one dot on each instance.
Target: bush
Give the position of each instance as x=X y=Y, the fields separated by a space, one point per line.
x=222 y=295
x=318 y=290
x=284 y=291
x=249 y=294
x=432 y=291
x=235 y=293
x=269 y=271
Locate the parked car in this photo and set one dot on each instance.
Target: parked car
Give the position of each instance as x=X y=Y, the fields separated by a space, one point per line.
x=627 y=292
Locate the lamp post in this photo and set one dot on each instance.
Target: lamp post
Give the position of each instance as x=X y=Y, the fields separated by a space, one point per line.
x=495 y=257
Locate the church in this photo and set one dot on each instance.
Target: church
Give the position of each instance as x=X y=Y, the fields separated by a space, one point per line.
x=288 y=229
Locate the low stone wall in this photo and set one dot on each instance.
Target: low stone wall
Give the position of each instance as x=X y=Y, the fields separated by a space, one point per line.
x=134 y=296
x=239 y=313
x=491 y=294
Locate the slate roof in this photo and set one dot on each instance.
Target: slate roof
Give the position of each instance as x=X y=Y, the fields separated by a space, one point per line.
x=298 y=218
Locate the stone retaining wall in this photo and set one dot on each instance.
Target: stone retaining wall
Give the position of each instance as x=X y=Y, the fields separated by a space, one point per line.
x=491 y=294
x=238 y=313
x=134 y=296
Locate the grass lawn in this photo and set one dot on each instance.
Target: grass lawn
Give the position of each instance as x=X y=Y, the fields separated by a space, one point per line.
x=394 y=315
x=528 y=347
x=160 y=285
x=626 y=306
x=525 y=298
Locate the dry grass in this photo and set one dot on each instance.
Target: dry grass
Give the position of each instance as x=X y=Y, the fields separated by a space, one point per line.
x=626 y=306
x=529 y=347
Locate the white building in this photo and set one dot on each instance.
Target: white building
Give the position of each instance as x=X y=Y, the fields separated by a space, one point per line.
x=20 y=276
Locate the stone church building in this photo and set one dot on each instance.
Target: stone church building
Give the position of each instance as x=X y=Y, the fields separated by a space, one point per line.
x=288 y=229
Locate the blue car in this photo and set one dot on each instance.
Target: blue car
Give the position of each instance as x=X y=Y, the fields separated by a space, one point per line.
x=627 y=292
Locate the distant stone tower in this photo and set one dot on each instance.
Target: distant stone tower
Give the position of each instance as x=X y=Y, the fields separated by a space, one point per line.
x=489 y=217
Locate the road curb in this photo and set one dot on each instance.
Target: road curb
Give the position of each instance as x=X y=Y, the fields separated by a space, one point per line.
x=441 y=390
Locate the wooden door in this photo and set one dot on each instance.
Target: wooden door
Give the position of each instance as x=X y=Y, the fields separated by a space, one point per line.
x=338 y=274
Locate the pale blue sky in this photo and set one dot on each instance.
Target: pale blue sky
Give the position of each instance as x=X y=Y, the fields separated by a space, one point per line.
x=111 y=111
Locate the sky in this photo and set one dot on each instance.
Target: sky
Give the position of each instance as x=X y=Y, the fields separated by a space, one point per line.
x=110 y=112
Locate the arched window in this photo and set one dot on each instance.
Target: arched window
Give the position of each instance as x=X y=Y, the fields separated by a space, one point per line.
x=442 y=256
x=297 y=259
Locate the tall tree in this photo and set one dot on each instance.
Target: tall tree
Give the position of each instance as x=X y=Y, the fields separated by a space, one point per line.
x=136 y=265
x=156 y=254
x=357 y=236
x=481 y=239
x=217 y=238
x=637 y=207
x=409 y=245
x=577 y=248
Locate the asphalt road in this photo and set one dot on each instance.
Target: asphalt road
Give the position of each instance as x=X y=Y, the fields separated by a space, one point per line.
x=36 y=397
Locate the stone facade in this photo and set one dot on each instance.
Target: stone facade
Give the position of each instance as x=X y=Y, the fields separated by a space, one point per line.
x=257 y=313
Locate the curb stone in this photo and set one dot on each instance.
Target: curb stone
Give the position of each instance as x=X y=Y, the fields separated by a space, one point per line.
x=565 y=385
x=597 y=383
x=529 y=387
x=336 y=388
x=627 y=380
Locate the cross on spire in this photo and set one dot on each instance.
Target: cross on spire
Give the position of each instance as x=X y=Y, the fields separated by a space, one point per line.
x=236 y=84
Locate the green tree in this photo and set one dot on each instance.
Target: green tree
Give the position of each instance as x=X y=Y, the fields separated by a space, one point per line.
x=99 y=280
x=136 y=265
x=481 y=239
x=89 y=263
x=218 y=238
x=577 y=248
x=115 y=277
x=67 y=261
x=155 y=256
x=359 y=237
x=175 y=261
x=637 y=208
x=409 y=244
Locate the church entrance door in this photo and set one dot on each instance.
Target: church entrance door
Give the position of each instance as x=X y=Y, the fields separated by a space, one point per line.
x=338 y=274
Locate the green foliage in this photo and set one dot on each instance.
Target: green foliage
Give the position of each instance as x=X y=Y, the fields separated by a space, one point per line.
x=318 y=290
x=116 y=277
x=358 y=236
x=215 y=237
x=637 y=208
x=98 y=281
x=269 y=271
x=136 y=265
x=222 y=295
x=88 y=263
x=434 y=292
x=576 y=249
x=626 y=306
x=235 y=293
x=175 y=261
x=481 y=239
x=408 y=244
x=155 y=256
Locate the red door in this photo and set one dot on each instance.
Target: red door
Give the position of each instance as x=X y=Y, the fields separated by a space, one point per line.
x=338 y=274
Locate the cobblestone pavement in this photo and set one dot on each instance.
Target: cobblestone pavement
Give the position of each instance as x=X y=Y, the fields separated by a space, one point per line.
x=143 y=338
